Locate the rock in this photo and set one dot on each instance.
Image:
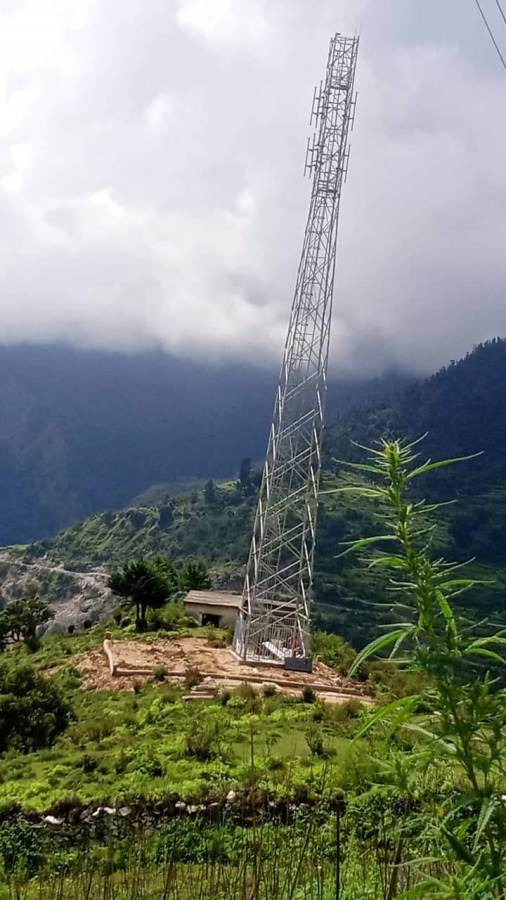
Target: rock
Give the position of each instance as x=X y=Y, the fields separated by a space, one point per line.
x=231 y=796
x=52 y=820
x=125 y=811
x=180 y=806
x=110 y=810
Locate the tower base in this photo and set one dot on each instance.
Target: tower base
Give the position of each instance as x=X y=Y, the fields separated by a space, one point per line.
x=298 y=664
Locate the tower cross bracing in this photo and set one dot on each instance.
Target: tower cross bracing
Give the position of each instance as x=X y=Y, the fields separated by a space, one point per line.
x=274 y=623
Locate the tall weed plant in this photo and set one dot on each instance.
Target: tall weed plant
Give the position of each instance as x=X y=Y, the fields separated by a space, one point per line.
x=453 y=727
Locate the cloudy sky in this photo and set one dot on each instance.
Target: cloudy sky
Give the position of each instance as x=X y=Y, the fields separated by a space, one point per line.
x=151 y=189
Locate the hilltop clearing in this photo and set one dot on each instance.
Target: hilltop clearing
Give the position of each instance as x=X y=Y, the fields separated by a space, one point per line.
x=120 y=665
x=133 y=739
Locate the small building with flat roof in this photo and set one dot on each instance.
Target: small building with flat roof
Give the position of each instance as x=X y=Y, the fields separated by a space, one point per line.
x=219 y=608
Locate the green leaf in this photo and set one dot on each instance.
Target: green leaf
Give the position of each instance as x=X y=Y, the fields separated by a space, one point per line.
x=410 y=628
x=491 y=639
x=418 y=729
x=487 y=810
x=353 y=546
x=392 y=562
x=403 y=714
x=487 y=654
x=459 y=583
x=374 y=647
x=460 y=849
x=447 y=612
x=361 y=491
x=431 y=466
x=361 y=467
x=383 y=712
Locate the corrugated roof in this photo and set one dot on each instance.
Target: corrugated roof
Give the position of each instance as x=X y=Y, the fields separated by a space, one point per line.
x=214 y=598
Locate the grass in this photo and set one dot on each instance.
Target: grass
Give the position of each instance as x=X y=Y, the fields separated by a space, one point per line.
x=187 y=858
x=283 y=758
x=123 y=746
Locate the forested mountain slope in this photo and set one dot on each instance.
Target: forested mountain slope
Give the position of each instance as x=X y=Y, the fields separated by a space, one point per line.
x=83 y=430
x=462 y=407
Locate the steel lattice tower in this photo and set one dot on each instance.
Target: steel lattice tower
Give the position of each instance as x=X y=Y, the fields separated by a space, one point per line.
x=274 y=622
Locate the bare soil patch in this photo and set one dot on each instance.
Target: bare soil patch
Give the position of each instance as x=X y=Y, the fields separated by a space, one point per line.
x=136 y=661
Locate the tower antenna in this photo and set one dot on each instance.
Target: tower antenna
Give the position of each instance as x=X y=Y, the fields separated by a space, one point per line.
x=274 y=623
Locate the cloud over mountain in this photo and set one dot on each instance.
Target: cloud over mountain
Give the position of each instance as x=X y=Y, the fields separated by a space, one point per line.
x=151 y=190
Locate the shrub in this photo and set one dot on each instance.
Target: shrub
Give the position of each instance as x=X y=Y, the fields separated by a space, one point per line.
x=319 y=712
x=269 y=689
x=192 y=676
x=224 y=696
x=246 y=694
x=314 y=740
x=88 y=764
x=275 y=764
x=308 y=694
x=333 y=650
x=159 y=673
x=200 y=741
x=99 y=728
x=32 y=710
x=246 y=691
x=352 y=708
x=21 y=848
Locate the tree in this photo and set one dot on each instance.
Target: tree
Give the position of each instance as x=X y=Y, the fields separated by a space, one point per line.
x=245 y=482
x=32 y=711
x=4 y=631
x=22 y=618
x=210 y=493
x=194 y=576
x=145 y=582
x=458 y=715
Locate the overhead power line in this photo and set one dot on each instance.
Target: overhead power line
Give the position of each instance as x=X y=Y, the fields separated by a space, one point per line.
x=491 y=33
x=499 y=7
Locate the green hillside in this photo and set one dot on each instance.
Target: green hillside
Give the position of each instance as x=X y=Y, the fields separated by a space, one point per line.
x=462 y=409
x=219 y=532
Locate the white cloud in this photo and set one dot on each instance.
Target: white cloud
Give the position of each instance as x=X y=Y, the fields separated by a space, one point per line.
x=151 y=188
x=230 y=24
x=160 y=113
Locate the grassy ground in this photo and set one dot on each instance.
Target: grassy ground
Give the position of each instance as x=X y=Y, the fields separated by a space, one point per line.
x=150 y=743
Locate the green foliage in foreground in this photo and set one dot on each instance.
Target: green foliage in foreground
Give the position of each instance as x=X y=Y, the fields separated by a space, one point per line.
x=460 y=712
x=141 y=746
x=293 y=854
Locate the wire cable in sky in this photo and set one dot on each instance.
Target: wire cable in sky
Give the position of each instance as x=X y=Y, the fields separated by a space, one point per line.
x=499 y=7
x=491 y=33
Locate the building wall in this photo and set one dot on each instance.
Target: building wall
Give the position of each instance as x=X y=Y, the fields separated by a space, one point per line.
x=227 y=614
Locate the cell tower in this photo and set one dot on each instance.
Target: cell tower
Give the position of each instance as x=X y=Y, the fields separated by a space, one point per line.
x=274 y=623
